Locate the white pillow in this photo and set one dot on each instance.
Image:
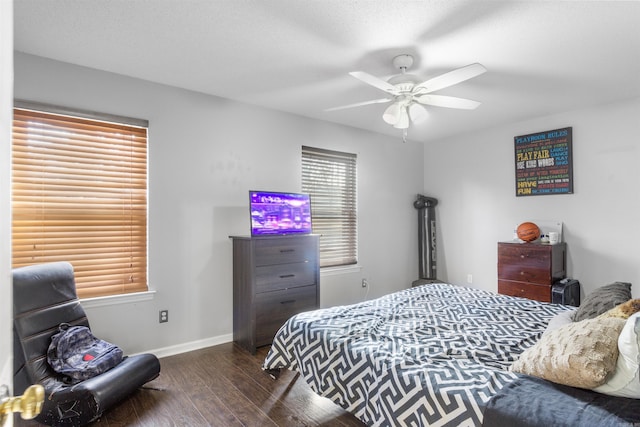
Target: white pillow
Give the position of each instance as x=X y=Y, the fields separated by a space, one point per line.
x=559 y=320
x=625 y=380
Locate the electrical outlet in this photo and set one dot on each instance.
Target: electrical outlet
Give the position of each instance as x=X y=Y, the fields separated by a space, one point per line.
x=469 y=278
x=365 y=283
x=164 y=316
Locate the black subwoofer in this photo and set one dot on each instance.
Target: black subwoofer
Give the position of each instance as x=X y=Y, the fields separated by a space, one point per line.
x=567 y=292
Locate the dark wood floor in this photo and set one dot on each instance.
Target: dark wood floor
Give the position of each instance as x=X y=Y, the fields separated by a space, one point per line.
x=223 y=386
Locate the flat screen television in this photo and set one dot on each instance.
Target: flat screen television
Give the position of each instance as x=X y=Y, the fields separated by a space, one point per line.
x=276 y=213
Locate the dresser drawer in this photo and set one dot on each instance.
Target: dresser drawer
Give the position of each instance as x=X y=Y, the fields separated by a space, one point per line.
x=525 y=290
x=524 y=273
x=275 y=277
x=283 y=251
x=535 y=256
x=274 y=308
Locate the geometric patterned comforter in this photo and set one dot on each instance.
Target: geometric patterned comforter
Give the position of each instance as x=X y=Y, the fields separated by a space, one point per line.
x=431 y=355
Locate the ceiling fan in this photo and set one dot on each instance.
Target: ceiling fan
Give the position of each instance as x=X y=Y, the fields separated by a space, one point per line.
x=409 y=94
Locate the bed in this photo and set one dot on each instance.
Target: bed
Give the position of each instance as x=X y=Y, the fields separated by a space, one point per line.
x=432 y=355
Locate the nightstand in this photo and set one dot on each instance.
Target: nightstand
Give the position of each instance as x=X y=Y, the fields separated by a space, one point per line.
x=529 y=270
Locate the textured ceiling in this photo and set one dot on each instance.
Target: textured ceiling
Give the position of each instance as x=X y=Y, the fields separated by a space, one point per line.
x=542 y=57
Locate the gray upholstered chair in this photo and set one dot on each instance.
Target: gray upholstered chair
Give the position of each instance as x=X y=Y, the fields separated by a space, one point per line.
x=44 y=296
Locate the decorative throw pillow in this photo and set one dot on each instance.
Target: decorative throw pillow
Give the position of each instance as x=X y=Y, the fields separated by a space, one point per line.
x=625 y=380
x=602 y=299
x=580 y=354
x=624 y=310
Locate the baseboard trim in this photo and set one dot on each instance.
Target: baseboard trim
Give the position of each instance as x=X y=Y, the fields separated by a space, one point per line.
x=191 y=346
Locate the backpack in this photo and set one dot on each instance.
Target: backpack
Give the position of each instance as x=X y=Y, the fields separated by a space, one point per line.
x=78 y=355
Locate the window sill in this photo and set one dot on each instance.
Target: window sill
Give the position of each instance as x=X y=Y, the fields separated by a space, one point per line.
x=346 y=269
x=117 y=299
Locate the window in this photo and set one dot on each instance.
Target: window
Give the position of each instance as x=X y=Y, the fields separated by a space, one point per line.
x=79 y=194
x=330 y=178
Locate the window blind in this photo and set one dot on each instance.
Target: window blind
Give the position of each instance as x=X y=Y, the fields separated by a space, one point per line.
x=79 y=194
x=330 y=178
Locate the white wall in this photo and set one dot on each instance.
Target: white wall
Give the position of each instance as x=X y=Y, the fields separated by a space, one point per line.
x=205 y=154
x=473 y=178
x=6 y=91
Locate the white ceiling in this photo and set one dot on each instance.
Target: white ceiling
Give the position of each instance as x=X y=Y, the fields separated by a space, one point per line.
x=542 y=57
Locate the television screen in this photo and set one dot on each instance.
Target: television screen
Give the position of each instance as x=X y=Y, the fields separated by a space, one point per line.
x=279 y=213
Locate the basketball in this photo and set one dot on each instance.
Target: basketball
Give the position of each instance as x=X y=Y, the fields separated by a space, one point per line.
x=528 y=231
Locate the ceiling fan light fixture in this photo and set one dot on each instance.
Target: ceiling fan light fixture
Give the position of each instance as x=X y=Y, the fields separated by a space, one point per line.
x=392 y=114
x=403 y=119
x=418 y=113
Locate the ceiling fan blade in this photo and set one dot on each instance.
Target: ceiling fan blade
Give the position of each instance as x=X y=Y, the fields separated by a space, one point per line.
x=447 y=101
x=359 y=104
x=451 y=78
x=375 y=82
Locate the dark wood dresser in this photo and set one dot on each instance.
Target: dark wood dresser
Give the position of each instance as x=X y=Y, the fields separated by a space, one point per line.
x=530 y=269
x=274 y=278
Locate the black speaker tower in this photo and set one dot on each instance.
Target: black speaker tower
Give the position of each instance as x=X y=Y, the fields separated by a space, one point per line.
x=426 y=239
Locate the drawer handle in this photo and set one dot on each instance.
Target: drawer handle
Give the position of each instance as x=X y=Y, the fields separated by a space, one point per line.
x=522 y=256
x=284 y=251
x=289 y=301
x=285 y=276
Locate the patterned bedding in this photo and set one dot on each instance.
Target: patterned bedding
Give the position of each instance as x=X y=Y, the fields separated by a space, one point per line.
x=432 y=355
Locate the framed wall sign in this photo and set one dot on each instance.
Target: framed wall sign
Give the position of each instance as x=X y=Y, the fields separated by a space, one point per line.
x=544 y=163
